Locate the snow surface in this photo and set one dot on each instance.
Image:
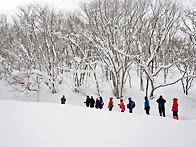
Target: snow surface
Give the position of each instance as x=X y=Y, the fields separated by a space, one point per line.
x=47 y=123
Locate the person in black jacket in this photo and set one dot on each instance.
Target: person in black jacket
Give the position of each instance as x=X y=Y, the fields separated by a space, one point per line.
x=97 y=103
x=87 y=101
x=161 y=105
x=92 y=102
x=63 y=100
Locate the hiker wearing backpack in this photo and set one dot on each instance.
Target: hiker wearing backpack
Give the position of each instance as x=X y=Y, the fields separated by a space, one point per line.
x=147 y=105
x=130 y=105
x=161 y=105
x=110 y=105
x=122 y=105
x=101 y=103
x=175 y=109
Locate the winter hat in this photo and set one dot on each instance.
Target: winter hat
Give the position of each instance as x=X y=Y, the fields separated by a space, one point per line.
x=121 y=100
x=145 y=97
x=129 y=98
x=111 y=98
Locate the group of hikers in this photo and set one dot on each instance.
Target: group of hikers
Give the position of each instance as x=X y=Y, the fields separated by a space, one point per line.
x=90 y=102
x=98 y=103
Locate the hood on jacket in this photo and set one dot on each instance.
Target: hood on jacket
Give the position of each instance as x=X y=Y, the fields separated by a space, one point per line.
x=175 y=100
x=161 y=97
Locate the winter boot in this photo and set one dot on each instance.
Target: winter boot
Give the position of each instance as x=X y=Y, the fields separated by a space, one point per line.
x=174 y=117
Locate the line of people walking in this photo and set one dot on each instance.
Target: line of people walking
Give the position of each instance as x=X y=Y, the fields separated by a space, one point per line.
x=161 y=106
x=99 y=103
x=90 y=102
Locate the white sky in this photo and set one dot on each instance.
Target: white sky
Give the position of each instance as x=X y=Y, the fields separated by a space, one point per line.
x=11 y=5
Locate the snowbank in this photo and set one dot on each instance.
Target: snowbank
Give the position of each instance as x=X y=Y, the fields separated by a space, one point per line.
x=30 y=124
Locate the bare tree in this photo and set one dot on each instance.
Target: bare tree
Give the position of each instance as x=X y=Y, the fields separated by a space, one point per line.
x=44 y=47
x=189 y=54
x=37 y=44
x=106 y=31
x=155 y=42
x=84 y=59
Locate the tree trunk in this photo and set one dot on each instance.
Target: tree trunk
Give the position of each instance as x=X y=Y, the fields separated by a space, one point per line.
x=147 y=86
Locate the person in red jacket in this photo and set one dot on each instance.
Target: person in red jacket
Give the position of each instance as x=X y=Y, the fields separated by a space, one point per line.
x=110 y=105
x=175 y=108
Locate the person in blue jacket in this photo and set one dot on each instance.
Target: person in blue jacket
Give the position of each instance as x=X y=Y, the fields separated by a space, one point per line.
x=101 y=103
x=147 y=105
x=130 y=105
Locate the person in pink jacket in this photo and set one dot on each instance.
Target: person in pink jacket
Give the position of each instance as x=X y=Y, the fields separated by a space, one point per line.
x=175 y=108
x=122 y=105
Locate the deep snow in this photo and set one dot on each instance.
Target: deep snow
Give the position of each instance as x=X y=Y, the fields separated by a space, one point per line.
x=50 y=124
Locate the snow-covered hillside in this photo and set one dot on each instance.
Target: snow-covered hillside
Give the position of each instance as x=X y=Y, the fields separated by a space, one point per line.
x=50 y=124
x=27 y=124
x=113 y=48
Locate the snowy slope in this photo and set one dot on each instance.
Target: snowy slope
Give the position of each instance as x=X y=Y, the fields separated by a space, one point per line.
x=28 y=124
x=49 y=124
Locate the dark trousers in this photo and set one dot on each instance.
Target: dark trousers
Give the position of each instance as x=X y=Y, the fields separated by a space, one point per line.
x=162 y=111
x=110 y=108
x=175 y=113
x=147 y=110
x=130 y=110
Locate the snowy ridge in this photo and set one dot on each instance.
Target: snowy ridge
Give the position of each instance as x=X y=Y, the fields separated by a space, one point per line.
x=53 y=125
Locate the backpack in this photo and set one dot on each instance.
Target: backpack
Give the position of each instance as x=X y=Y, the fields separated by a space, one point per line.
x=133 y=104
